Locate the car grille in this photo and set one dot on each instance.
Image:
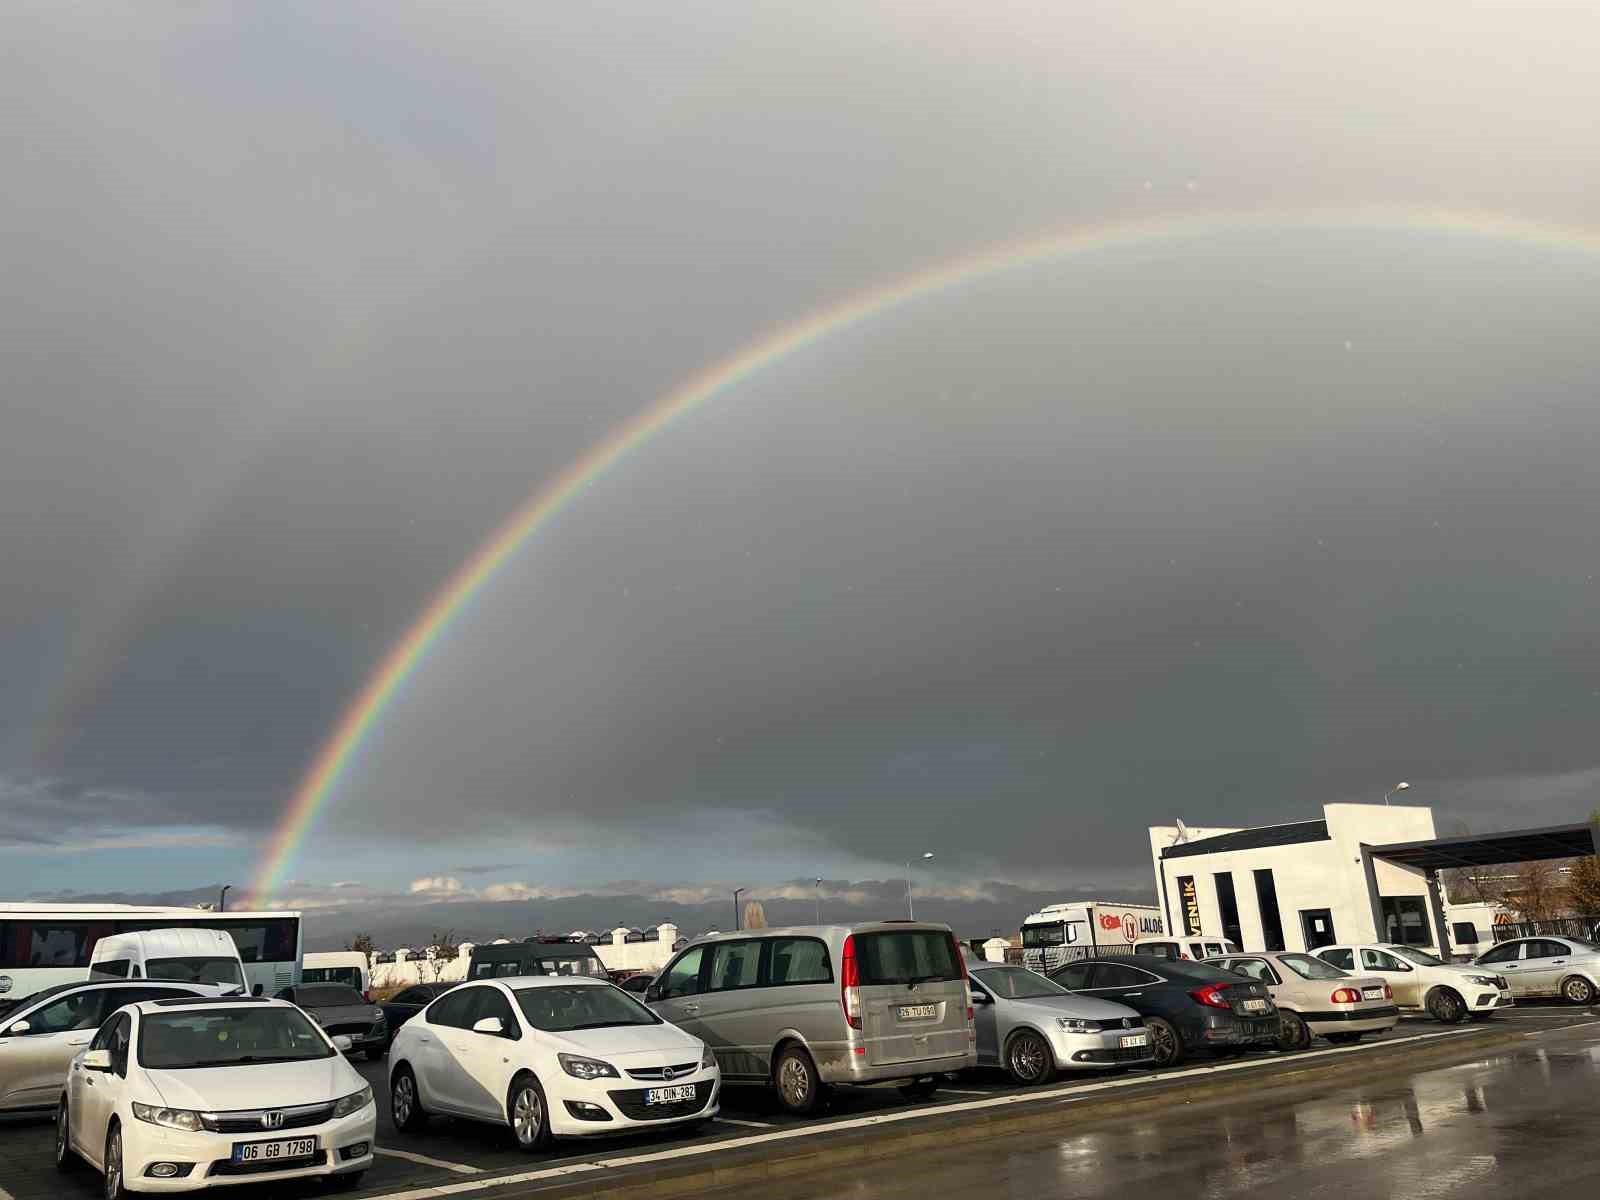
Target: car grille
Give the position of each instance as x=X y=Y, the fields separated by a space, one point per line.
x=1123 y=1023
x=678 y=1070
x=631 y=1104
x=226 y=1166
x=350 y=1028
x=249 y=1120
x=1120 y=1055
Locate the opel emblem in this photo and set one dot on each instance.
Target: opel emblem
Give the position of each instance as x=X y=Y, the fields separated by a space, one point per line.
x=668 y=1073
x=272 y=1120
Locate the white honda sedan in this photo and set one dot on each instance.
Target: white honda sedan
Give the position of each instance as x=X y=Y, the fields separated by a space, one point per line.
x=180 y=1095
x=550 y=1056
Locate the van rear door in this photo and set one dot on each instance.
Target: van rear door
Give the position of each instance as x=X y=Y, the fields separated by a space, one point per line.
x=913 y=995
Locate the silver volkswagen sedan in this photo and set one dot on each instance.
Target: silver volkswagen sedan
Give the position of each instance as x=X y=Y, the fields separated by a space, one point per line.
x=1032 y=1027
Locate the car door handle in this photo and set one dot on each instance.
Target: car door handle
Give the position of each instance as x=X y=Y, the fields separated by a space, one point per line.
x=79 y=1042
x=1131 y=995
x=691 y=1009
x=1559 y=962
x=424 y=1039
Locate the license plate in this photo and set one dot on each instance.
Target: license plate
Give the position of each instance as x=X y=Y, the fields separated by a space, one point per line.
x=1372 y=993
x=1253 y=1006
x=287 y=1149
x=918 y=1012
x=1134 y=1040
x=670 y=1095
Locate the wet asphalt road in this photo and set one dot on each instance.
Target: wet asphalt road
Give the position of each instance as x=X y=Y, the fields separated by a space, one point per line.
x=1348 y=1142
x=1517 y=1126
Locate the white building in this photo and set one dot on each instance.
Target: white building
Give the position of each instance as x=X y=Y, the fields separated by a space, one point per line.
x=1301 y=885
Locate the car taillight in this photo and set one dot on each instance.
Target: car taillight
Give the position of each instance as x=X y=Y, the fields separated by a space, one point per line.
x=1211 y=996
x=1388 y=992
x=1345 y=996
x=850 y=983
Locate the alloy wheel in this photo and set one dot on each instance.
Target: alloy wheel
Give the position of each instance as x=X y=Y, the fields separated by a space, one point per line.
x=61 y=1133
x=403 y=1098
x=794 y=1081
x=1027 y=1058
x=1164 y=1042
x=527 y=1114
x=114 y=1166
x=1579 y=991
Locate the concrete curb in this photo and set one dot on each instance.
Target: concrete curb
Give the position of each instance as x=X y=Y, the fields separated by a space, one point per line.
x=745 y=1166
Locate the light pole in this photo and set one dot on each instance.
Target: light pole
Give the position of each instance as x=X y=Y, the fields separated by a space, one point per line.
x=1402 y=786
x=222 y=898
x=737 y=892
x=911 y=911
x=819 y=899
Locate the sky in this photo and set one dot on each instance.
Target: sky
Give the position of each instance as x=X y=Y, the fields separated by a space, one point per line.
x=303 y=301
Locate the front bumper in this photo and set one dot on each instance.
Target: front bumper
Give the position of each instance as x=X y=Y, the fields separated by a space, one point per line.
x=208 y=1156
x=1087 y=1051
x=597 y=1107
x=1482 y=999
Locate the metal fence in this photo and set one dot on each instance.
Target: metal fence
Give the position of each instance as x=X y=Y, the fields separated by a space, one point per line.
x=1582 y=928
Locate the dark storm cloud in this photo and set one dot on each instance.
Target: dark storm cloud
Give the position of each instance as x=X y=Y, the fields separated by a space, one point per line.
x=304 y=302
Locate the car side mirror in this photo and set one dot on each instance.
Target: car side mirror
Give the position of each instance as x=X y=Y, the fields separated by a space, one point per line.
x=342 y=1043
x=257 y=990
x=652 y=993
x=981 y=998
x=490 y=1025
x=18 y=1029
x=97 y=1060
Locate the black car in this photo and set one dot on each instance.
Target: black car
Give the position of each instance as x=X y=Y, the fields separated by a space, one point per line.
x=1188 y=1006
x=408 y=1002
x=342 y=1011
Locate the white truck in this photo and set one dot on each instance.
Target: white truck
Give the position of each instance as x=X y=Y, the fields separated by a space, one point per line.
x=1062 y=933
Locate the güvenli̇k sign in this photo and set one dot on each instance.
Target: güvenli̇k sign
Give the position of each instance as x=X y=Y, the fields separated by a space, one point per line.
x=1189 y=898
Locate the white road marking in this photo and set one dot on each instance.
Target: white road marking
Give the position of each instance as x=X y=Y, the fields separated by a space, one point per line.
x=960 y=1092
x=746 y=1124
x=1065 y=1095
x=423 y=1159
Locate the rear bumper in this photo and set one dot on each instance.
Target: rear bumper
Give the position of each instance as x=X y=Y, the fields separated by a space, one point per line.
x=890 y=1072
x=1226 y=1029
x=1366 y=1020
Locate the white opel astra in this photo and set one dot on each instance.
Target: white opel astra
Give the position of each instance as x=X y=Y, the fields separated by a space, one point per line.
x=180 y=1095
x=549 y=1056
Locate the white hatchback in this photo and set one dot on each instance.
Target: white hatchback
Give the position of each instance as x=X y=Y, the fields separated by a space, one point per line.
x=180 y=1095
x=550 y=1056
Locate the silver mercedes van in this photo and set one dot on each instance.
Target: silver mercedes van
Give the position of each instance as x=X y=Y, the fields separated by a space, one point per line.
x=814 y=1006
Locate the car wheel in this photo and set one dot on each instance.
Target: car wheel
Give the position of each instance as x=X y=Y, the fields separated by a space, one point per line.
x=799 y=1089
x=65 y=1159
x=920 y=1089
x=1446 y=1006
x=1578 y=990
x=529 y=1115
x=1166 y=1043
x=405 y=1101
x=1029 y=1059
x=1344 y=1039
x=115 y=1188
x=1293 y=1033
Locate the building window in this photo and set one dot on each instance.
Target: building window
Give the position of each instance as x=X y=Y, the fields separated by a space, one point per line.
x=1228 y=910
x=1267 y=902
x=1464 y=933
x=1405 y=921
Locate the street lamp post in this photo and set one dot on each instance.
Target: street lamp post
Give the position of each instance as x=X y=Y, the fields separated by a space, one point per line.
x=911 y=912
x=737 y=892
x=1402 y=786
x=819 y=899
x=222 y=898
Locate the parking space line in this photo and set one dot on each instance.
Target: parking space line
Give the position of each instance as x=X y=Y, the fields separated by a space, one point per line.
x=1064 y=1095
x=422 y=1160
x=746 y=1124
x=963 y=1092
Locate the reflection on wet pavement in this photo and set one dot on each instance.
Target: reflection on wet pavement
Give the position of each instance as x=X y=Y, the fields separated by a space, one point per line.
x=1515 y=1126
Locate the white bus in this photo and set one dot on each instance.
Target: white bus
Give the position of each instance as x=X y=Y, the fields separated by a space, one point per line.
x=42 y=945
x=1063 y=933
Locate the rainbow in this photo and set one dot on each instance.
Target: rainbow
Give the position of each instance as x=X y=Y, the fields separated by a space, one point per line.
x=560 y=491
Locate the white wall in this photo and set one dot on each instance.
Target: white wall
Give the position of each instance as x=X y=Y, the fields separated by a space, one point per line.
x=1308 y=875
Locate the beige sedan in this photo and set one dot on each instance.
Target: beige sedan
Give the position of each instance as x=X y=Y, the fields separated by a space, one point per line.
x=1317 y=998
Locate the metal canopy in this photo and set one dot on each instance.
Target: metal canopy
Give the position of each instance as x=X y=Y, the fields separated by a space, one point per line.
x=1492 y=849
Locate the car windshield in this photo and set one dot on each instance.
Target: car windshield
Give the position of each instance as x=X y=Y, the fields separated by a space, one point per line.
x=228 y=1037
x=1421 y=957
x=223 y=971
x=1307 y=967
x=562 y=1009
x=1018 y=983
x=327 y=995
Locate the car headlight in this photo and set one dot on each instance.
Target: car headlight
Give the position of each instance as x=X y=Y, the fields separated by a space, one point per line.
x=353 y=1103
x=1483 y=980
x=1077 y=1025
x=172 y=1118
x=586 y=1068
x=708 y=1060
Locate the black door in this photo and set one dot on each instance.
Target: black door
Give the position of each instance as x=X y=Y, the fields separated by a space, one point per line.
x=1317 y=925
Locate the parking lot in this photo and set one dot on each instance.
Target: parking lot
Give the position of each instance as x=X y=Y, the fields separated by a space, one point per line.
x=451 y=1153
